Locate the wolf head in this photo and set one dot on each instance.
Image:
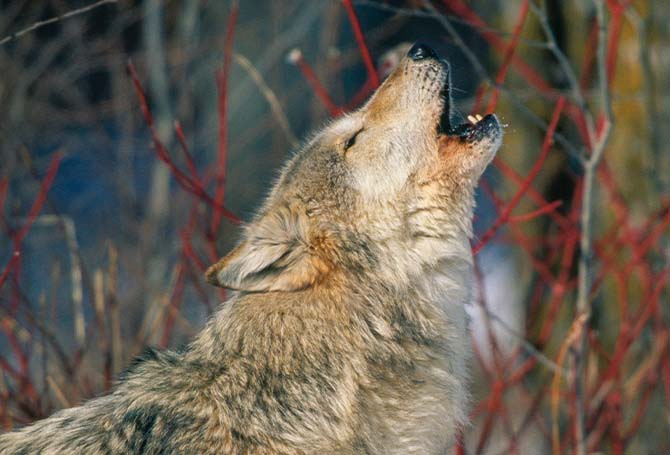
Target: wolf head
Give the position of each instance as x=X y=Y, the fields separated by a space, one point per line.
x=385 y=190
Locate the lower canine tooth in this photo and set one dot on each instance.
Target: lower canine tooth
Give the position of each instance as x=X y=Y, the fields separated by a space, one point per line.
x=472 y=119
x=478 y=117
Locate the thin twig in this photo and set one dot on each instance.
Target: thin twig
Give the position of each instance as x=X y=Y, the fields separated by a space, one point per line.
x=222 y=80
x=477 y=65
x=41 y=197
x=650 y=97
x=58 y=393
x=114 y=314
x=295 y=57
x=574 y=334
x=568 y=72
x=523 y=189
x=453 y=34
x=70 y=233
x=8 y=267
x=362 y=45
x=52 y=20
x=101 y=317
x=270 y=97
x=186 y=182
x=584 y=278
x=552 y=366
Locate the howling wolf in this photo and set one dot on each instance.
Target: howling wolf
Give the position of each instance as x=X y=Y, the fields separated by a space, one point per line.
x=346 y=333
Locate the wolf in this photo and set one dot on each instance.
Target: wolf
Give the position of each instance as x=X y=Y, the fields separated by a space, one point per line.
x=346 y=332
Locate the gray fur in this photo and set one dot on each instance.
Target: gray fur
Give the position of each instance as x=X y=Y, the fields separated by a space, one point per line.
x=347 y=333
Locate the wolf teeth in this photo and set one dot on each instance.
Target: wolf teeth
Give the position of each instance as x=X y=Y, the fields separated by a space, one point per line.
x=474 y=119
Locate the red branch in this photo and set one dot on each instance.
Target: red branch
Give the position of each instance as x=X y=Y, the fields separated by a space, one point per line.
x=183 y=180
x=509 y=54
x=39 y=200
x=222 y=86
x=173 y=305
x=5 y=273
x=4 y=186
x=360 y=40
x=628 y=253
x=507 y=212
x=320 y=91
x=615 y=24
x=15 y=266
x=532 y=76
x=190 y=163
x=536 y=213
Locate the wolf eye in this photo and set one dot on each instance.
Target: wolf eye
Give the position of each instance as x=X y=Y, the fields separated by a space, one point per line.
x=351 y=141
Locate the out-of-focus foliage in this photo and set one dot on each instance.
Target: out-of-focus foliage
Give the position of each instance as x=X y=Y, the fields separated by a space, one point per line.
x=113 y=261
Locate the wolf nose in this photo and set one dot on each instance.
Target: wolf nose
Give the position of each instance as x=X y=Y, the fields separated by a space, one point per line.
x=420 y=52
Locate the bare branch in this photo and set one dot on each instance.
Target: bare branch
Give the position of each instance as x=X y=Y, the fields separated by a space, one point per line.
x=270 y=97
x=569 y=148
x=52 y=20
x=585 y=271
x=549 y=364
x=568 y=72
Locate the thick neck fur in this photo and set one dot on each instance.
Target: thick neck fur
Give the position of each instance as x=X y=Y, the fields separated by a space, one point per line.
x=397 y=299
x=414 y=321
x=422 y=271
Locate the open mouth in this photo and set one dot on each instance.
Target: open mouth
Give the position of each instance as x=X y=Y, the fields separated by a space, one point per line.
x=476 y=128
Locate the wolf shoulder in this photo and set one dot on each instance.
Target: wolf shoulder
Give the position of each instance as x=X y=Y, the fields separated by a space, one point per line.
x=149 y=411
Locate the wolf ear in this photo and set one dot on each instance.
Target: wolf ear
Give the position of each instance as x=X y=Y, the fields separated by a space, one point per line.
x=276 y=255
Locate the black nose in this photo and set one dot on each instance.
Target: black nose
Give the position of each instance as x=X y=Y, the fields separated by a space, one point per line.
x=421 y=51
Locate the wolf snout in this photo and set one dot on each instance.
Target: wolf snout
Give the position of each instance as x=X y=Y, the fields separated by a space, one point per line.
x=487 y=128
x=421 y=52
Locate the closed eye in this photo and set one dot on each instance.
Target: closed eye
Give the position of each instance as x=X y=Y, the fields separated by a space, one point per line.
x=352 y=140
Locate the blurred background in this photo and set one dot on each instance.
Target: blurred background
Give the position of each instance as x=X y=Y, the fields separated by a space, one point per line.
x=127 y=126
